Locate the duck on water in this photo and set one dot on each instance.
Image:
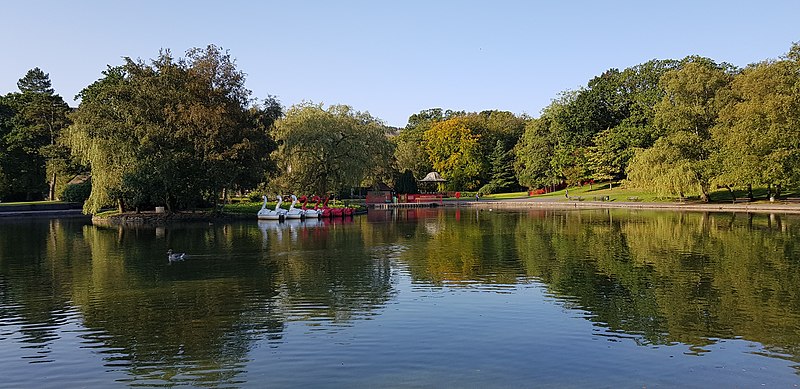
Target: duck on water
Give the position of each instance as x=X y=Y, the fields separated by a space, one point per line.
x=175 y=257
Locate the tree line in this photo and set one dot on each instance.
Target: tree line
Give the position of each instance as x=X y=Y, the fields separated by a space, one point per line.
x=675 y=127
x=185 y=132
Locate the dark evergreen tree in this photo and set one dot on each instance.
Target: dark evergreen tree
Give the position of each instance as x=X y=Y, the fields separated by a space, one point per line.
x=503 y=178
x=36 y=81
x=406 y=183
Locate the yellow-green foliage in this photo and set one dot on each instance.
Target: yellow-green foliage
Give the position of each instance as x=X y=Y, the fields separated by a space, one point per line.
x=454 y=151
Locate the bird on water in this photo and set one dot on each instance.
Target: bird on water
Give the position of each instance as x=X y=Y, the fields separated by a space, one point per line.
x=175 y=257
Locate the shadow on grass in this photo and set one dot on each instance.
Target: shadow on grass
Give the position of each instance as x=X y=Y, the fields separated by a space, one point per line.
x=759 y=194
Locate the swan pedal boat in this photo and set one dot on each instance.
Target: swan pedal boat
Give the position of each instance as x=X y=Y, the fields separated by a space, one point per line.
x=294 y=213
x=269 y=214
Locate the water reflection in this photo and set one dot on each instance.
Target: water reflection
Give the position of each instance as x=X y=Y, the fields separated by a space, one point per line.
x=656 y=279
x=691 y=278
x=194 y=320
x=665 y=278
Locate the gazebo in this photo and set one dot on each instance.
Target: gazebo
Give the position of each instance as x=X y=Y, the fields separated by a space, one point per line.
x=434 y=177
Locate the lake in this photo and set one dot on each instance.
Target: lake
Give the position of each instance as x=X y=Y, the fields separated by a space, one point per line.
x=427 y=298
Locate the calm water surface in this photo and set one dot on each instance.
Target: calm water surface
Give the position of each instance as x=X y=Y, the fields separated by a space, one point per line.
x=418 y=298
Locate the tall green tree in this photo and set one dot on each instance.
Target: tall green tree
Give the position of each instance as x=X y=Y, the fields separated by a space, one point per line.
x=550 y=149
x=533 y=154
x=331 y=149
x=759 y=127
x=406 y=183
x=502 y=173
x=637 y=91
x=583 y=114
x=36 y=81
x=34 y=158
x=686 y=114
x=502 y=126
x=613 y=149
x=172 y=132
x=6 y=114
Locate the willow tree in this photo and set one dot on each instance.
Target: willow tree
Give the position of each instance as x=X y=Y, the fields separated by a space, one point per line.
x=685 y=115
x=169 y=132
x=670 y=167
x=331 y=149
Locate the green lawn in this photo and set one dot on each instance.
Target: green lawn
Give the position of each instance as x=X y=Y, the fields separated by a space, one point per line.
x=616 y=192
x=503 y=196
x=602 y=190
x=246 y=207
x=32 y=203
x=108 y=213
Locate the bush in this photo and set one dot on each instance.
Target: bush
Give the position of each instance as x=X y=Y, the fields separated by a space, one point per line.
x=488 y=189
x=77 y=193
x=256 y=194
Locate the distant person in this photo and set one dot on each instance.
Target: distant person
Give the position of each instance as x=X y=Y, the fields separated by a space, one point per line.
x=477 y=198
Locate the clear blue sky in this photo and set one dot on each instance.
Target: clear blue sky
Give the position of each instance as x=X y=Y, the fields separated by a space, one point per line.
x=394 y=58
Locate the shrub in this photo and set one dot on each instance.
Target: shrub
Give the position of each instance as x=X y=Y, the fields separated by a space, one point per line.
x=77 y=193
x=489 y=188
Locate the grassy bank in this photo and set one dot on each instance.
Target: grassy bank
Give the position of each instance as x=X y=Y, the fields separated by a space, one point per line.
x=614 y=191
x=38 y=207
x=608 y=191
x=31 y=203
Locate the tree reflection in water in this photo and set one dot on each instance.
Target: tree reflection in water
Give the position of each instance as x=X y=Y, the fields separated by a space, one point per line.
x=663 y=277
x=659 y=278
x=193 y=321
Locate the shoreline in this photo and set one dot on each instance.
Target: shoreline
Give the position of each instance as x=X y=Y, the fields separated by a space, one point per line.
x=151 y=218
x=158 y=219
x=690 y=207
x=50 y=209
x=72 y=213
